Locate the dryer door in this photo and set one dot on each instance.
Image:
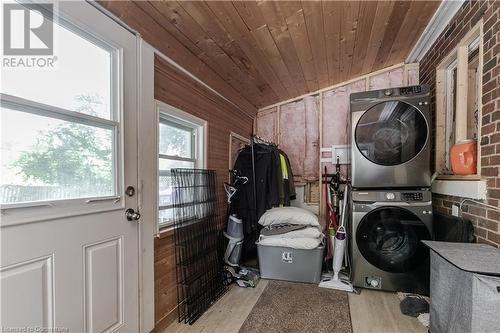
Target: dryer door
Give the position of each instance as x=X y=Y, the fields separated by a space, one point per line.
x=391 y=133
x=389 y=238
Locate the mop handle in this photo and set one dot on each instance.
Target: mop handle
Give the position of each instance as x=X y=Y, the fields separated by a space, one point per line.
x=344 y=206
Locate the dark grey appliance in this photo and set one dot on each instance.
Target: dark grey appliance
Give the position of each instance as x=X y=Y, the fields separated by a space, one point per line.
x=465 y=287
x=386 y=233
x=390 y=131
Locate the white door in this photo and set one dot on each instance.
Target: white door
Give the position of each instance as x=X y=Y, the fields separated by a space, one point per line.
x=69 y=256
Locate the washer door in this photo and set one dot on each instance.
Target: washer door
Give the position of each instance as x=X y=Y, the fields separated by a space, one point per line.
x=389 y=238
x=391 y=133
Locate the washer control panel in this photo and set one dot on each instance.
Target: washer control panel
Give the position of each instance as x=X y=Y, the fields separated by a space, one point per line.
x=416 y=196
x=412 y=196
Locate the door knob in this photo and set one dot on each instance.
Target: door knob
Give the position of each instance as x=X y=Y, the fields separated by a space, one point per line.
x=132 y=215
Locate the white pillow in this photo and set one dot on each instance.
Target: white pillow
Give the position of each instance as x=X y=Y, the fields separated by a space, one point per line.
x=288 y=215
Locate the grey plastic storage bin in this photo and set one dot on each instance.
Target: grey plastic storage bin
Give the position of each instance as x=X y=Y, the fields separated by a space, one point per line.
x=465 y=288
x=284 y=263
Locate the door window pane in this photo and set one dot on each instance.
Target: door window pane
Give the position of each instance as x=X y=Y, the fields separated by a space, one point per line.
x=46 y=159
x=176 y=141
x=391 y=133
x=80 y=80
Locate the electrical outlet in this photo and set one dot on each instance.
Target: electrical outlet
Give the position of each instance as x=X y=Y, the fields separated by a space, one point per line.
x=454 y=210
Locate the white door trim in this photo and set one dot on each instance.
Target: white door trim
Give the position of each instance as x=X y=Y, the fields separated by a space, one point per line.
x=148 y=180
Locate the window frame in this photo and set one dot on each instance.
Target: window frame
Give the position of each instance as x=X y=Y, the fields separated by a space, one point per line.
x=30 y=211
x=233 y=139
x=457 y=58
x=176 y=123
x=451 y=90
x=175 y=117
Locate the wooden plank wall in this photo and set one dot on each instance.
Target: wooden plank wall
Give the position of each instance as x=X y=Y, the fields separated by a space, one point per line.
x=177 y=89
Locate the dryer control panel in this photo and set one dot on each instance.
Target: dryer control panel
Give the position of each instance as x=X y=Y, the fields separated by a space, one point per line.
x=410 y=90
x=412 y=196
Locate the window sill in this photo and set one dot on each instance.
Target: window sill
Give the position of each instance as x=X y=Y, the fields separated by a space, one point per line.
x=455 y=177
x=168 y=230
x=165 y=232
x=472 y=188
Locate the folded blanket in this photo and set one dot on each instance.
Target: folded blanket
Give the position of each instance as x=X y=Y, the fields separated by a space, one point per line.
x=303 y=232
x=280 y=229
x=294 y=243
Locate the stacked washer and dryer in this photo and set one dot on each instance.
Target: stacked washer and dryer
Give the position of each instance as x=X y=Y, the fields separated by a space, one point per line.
x=391 y=203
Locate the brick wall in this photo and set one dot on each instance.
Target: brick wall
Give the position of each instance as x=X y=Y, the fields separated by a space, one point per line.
x=486 y=221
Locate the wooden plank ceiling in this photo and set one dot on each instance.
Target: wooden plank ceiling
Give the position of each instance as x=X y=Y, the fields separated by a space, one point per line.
x=258 y=53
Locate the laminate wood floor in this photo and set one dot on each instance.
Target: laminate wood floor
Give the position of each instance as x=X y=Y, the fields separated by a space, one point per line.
x=225 y=316
x=378 y=311
x=371 y=312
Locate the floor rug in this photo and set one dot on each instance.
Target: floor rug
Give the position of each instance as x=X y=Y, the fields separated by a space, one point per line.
x=299 y=307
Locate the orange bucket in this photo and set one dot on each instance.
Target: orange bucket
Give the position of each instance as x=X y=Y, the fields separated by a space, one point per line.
x=463 y=156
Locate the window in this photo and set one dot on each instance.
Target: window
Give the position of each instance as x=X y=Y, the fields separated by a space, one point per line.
x=59 y=126
x=236 y=143
x=458 y=104
x=473 y=90
x=451 y=104
x=180 y=145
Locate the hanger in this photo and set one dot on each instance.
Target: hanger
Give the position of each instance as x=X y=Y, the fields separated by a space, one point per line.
x=237 y=178
x=230 y=191
x=259 y=140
